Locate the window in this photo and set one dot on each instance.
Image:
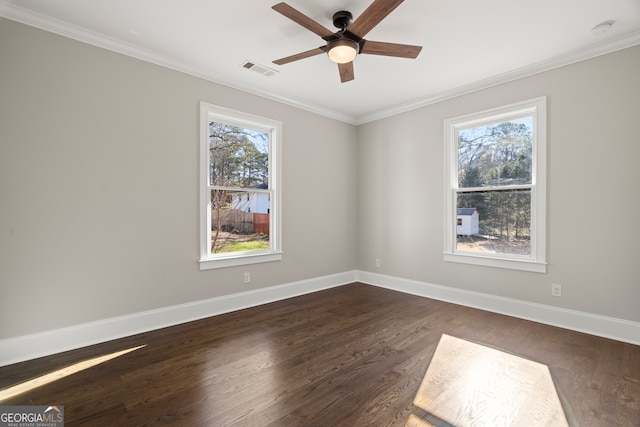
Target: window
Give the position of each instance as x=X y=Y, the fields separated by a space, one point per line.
x=239 y=188
x=496 y=178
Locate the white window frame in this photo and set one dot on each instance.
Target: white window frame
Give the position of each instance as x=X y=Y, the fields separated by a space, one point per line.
x=211 y=112
x=536 y=261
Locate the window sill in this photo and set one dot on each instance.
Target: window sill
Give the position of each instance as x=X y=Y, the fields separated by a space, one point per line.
x=512 y=264
x=236 y=260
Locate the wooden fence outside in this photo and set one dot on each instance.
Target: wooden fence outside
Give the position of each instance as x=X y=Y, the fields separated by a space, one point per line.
x=261 y=223
x=234 y=220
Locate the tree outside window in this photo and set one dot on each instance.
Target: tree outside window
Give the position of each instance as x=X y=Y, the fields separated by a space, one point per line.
x=494 y=177
x=495 y=165
x=239 y=195
x=238 y=173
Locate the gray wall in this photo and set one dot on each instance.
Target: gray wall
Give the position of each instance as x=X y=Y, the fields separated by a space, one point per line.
x=99 y=193
x=593 y=196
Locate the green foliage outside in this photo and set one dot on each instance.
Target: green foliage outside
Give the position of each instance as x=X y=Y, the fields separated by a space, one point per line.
x=494 y=171
x=238 y=160
x=237 y=157
x=229 y=246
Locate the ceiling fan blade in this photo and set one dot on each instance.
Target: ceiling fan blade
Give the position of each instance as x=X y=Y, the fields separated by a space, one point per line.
x=301 y=55
x=390 y=49
x=346 y=72
x=372 y=16
x=302 y=19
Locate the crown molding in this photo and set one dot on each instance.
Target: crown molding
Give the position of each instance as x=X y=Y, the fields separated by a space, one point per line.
x=83 y=35
x=46 y=23
x=604 y=48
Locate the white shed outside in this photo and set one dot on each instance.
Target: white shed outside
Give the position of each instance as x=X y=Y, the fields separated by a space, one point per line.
x=468 y=222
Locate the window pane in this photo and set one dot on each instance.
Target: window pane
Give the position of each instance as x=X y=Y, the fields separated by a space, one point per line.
x=240 y=163
x=239 y=221
x=495 y=155
x=238 y=157
x=494 y=222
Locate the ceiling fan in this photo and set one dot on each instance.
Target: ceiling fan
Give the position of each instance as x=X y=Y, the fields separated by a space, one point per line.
x=345 y=44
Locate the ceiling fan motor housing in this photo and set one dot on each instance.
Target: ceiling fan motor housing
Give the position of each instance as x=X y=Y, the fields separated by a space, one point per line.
x=342 y=19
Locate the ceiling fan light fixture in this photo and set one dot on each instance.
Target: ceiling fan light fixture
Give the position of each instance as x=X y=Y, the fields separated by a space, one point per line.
x=343 y=51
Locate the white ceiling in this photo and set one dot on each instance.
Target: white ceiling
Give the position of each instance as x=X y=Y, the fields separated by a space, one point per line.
x=467 y=44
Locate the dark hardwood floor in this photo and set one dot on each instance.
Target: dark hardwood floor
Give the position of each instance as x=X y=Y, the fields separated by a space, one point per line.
x=348 y=356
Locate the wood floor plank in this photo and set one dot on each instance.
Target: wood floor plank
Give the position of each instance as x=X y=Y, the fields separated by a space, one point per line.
x=349 y=356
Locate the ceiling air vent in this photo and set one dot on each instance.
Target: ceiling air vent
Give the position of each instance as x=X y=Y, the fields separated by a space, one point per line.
x=260 y=69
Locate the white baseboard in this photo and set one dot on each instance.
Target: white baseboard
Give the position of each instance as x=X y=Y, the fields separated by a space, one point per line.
x=18 y=349
x=593 y=324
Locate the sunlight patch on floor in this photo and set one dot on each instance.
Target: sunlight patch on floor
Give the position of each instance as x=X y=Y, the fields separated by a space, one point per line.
x=469 y=384
x=61 y=373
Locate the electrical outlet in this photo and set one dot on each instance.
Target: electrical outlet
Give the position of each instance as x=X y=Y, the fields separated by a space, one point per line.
x=247 y=277
x=377 y=262
x=556 y=290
